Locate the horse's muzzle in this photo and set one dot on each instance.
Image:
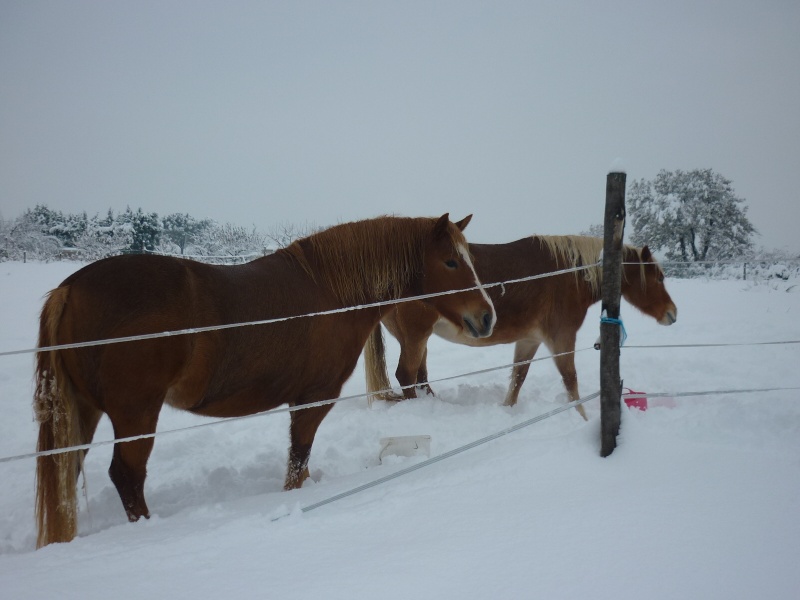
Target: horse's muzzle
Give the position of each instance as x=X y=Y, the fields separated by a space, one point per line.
x=669 y=317
x=480 y=327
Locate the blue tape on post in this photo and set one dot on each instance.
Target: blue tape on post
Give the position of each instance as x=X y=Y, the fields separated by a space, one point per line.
x=619 y=322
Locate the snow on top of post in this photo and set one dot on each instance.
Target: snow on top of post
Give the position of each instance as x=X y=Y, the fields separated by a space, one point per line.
x=618 y=166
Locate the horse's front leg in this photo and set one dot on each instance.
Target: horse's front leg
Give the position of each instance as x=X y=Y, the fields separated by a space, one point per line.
x=422 y=374
x=412 y=359
x=412 y=324
x=302 y=430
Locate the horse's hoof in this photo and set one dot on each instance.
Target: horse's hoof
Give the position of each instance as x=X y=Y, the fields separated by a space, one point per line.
x=133 y=517
x=387 y=397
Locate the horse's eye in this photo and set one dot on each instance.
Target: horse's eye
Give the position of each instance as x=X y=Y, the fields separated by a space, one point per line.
x=451 y=264
x=660 y=278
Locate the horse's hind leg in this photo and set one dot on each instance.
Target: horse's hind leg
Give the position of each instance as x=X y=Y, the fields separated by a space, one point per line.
x=524 y=350
x=88 y=418
x=303 y=428
x=564 y=357
x=129 y=464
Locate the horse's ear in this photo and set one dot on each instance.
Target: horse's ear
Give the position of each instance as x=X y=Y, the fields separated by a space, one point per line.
x=440 y=228
x=462 y=224
x=646 y=255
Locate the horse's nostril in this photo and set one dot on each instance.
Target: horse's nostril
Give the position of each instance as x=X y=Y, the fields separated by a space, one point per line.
x=487 y=320
x=471 y=328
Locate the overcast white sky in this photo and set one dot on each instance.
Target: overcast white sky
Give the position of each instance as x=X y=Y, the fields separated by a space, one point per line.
x=260 y=113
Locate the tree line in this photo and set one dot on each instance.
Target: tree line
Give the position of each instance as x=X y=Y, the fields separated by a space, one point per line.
x=689 y=217
x=45 y=234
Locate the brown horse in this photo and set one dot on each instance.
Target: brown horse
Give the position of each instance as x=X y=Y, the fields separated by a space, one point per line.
x=230 y=372
x=548 y=310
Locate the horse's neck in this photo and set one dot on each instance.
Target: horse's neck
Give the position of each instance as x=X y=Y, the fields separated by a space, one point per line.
x=360 y=287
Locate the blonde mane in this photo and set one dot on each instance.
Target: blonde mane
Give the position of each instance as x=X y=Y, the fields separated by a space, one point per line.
x=576 y=251
x=582 y=250
x=368 y=260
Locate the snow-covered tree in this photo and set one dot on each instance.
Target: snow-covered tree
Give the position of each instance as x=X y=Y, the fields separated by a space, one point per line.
x=595 y=230
x=283 y=234
x=25 y=238
x=146 y=229
x=691 y=215
x=182 y=229
x=230 y=241
x=103 y=237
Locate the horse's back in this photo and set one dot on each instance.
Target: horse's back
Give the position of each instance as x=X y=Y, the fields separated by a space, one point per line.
x=518 y=259
x=129 y=294
x=501 y=262
x=119 y=290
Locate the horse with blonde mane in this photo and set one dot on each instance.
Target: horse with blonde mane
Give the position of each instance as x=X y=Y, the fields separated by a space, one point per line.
x=548 y=310
x=233 y=371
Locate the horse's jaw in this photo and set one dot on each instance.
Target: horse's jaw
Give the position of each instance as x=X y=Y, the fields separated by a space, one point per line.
x=451 y=332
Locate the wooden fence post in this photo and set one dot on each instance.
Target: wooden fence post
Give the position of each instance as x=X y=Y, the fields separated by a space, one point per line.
x=610 y=382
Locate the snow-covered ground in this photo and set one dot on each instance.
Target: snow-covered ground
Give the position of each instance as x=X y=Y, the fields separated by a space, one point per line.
x=700 y=500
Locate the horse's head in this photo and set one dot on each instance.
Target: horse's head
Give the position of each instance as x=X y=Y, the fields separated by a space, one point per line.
x=643 y=286
x=448 y=266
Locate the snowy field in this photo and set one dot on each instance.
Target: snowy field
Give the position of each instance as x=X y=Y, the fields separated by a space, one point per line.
x=700 y=500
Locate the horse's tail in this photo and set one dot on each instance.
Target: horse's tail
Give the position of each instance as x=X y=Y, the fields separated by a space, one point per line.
x=375 y=366
x=56 y=411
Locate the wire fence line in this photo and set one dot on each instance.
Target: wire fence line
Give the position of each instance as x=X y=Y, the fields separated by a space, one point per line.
x=567 y=406
x=713 y=345
x=754 y=269
x=378 y=393
x=494 y=436
x=741 y=261
x=645 y=395
x=274 y=411
x=195 y=330
x=449 y=454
